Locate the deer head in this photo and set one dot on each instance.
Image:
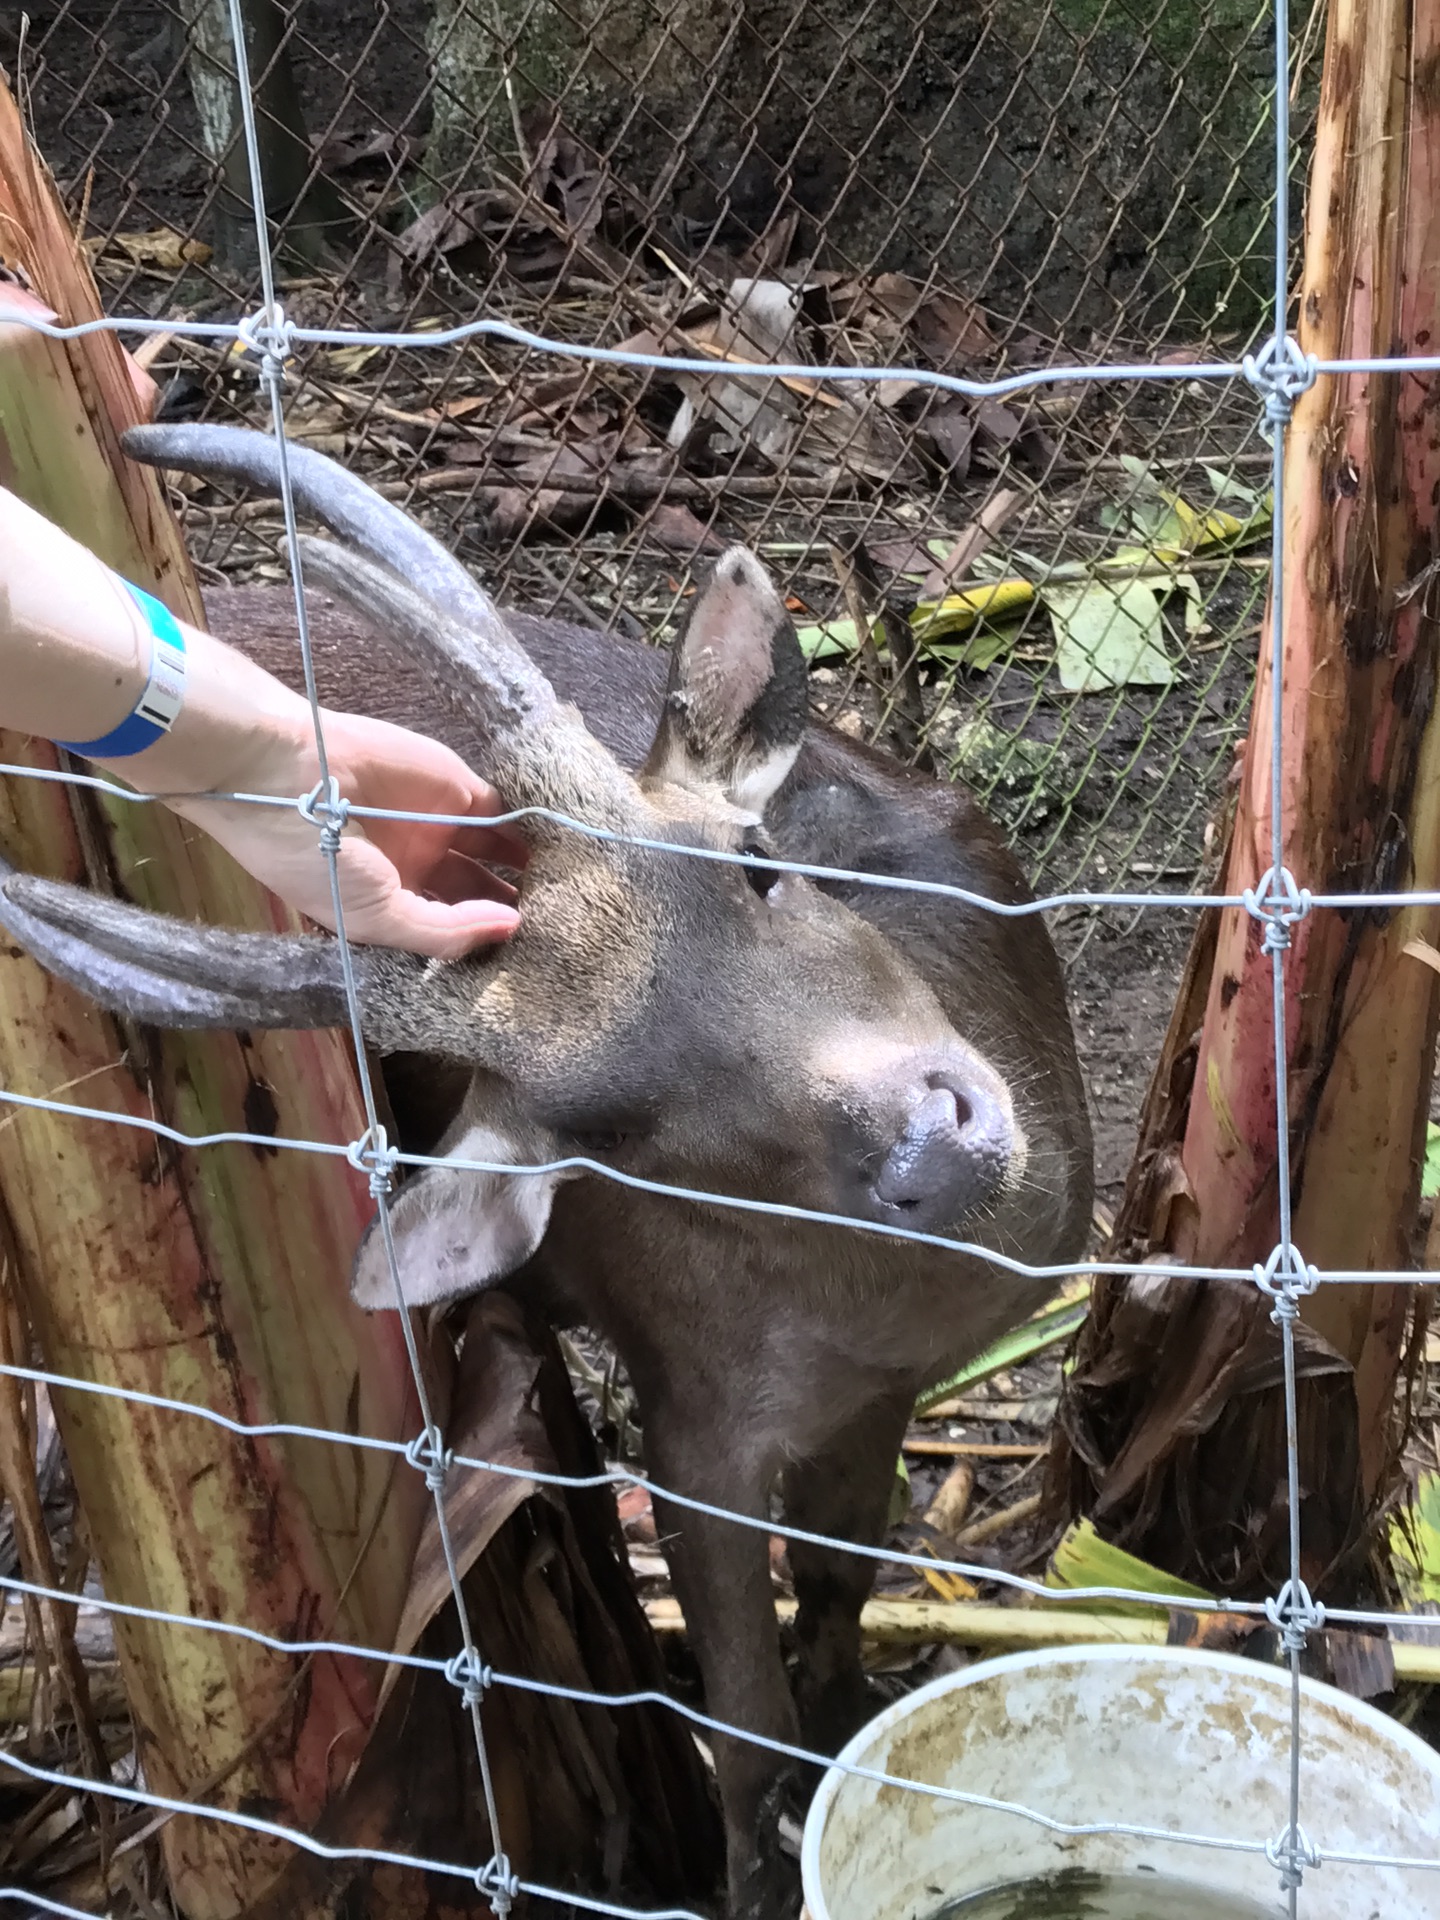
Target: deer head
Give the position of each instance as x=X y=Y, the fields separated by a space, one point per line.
x=712 y=1025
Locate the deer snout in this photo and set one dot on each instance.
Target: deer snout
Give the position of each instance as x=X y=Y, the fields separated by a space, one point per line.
x=955 y=1147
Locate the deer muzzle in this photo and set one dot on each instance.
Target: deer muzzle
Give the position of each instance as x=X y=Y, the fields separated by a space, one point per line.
x=954 y=1151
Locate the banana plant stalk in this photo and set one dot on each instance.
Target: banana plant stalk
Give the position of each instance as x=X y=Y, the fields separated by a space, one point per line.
x=1173 y=1435
x=217 y=1277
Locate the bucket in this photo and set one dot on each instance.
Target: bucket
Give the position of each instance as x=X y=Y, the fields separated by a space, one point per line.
x=1160 y=1737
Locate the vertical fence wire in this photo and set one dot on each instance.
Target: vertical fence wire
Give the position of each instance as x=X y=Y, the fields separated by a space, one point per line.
x=328 y=812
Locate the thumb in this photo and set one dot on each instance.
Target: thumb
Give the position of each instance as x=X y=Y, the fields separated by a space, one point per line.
x=434 y=927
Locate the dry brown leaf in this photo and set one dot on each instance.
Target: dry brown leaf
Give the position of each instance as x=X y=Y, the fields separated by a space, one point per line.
x=491 y=1417
x=161 y=249
x=677 y=530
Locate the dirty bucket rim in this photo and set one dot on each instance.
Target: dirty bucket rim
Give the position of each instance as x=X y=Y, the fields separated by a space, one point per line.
x=1201 y=1659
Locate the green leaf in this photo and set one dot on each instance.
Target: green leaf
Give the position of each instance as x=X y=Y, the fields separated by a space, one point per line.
x=1187 y=584
x=1415 y=1541
x=1140 y=473
x=1083 y=1559
x=1045 y=1329
x=979 y=652
x=832 y=641
x=1430 y=1172
x=1108 y=634
x=1225 y=486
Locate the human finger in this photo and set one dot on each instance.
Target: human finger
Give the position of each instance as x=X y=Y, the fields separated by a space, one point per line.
x=443 y=930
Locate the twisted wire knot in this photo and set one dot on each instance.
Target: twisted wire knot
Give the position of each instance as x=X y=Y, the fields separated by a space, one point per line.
x=428 y=1455
x=1289 y=1853
x=1280 y=372
x=373 y=1154
x=1294 y=1615
x=468 y=1672
x=327 y=808
x=1285 y=1278
x=499 y=1885
x=269 y=337
x=1278 y=904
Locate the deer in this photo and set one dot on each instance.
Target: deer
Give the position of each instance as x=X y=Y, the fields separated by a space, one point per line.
x=889 y=1058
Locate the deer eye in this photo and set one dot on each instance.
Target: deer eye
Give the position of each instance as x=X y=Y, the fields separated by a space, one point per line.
x=760 y=880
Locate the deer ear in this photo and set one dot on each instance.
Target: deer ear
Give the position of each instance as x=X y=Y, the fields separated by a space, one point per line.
x=736 y=706
x=457 y=1230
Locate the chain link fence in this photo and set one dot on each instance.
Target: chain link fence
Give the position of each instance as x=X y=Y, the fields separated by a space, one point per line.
x=979 y=189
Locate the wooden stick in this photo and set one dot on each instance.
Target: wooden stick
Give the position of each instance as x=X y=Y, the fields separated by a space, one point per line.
x=992 y=1629
x=628 y=486
x=974 y=1449
x=996 y=1523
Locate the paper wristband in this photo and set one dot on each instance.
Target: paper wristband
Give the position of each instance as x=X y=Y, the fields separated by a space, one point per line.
x=162 y=697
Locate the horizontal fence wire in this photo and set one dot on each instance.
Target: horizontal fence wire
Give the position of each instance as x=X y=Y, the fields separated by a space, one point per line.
x=1273 y=374
x=258 y=335
x=359 y=1154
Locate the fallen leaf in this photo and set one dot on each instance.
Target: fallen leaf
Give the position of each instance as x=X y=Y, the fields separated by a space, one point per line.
x=342 y=152
x=952 y=434
x=567 y=173
x=995 y=600
x=1108 y=634
x=830 y=640
x=458 y=409
x=756 y=323
x=1083 y=1559
x=678 y=530
x=946 y=324
x=511 y=512
x=159 y=248
x=350 y=360
x=908 y=553
x=772 y=249
x=453 y=224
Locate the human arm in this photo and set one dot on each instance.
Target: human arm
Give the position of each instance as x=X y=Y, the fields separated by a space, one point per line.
x=74 y=657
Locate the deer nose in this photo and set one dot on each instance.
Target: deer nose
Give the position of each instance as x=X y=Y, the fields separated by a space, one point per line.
x=952 y=1154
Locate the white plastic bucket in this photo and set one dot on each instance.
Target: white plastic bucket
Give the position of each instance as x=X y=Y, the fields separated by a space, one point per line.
x=1159 y=1737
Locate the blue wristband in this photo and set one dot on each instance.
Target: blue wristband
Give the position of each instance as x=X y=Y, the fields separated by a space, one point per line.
x=158 y=707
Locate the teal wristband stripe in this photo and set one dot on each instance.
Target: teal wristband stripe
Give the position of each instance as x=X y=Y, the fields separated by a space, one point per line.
x=158 y=707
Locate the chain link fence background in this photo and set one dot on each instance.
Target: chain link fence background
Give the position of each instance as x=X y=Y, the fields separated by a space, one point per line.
x=981 y=188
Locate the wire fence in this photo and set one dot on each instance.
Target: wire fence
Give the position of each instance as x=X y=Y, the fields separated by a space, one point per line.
x=1086 y=173
x=1224 y=395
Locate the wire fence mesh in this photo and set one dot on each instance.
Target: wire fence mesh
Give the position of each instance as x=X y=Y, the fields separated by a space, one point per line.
x=977 y=190
x=1147 y=238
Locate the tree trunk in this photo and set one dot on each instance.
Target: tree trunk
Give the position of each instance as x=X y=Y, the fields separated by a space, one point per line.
x=1172 y=1428
x=298 y=198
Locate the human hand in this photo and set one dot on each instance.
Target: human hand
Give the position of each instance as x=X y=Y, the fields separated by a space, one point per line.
x=403 y=883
